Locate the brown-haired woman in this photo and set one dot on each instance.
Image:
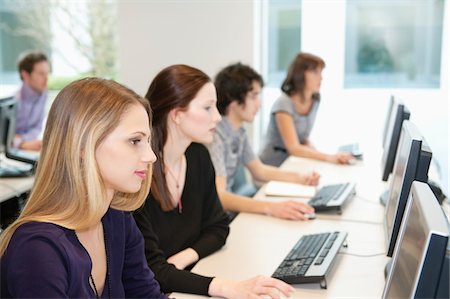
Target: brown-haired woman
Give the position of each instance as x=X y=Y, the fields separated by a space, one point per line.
x=182 y=220
x=293 y=115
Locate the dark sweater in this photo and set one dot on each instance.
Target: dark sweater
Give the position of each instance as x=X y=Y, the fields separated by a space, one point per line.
x=45 y=260
x=202 y=225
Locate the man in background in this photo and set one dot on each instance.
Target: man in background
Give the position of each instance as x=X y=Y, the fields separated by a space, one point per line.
x=31 y=98
x=238 y=100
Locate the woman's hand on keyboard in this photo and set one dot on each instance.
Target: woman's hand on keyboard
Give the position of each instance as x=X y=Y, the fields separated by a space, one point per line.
x=291 y=210
x=251 y=288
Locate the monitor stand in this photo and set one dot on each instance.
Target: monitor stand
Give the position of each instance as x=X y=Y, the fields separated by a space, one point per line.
x=384 y=197
x=387 y=268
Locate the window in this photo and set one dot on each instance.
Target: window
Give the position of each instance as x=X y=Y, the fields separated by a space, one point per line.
x=284 y=35
x=14 y=40
x=393 y=43
x=281 y=23
x=79 y=37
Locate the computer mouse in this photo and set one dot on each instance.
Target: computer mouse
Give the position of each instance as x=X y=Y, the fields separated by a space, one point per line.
x=357 y=155
x=351 y=162
x=310 y=216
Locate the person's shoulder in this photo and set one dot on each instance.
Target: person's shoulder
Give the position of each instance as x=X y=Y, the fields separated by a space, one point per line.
x=283 y=102
x=17 y=94
x=196 y=149
x=32 y=234
x=198 y=155
x=285 y=99
x=40 y=228
x=41 y=251
x=114 y=213
x=115 y=218
x=222 y=129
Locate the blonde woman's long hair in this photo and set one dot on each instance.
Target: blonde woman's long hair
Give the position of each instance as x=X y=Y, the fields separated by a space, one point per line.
x=68 y=188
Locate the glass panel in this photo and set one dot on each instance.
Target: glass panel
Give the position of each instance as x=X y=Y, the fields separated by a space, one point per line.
x=284 y=35
x=79 y=37
x=393 y=43
x=14 y=39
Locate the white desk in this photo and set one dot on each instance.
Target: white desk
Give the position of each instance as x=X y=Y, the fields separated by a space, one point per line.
x=368 y=187
x=257 y=244
x=11 y=187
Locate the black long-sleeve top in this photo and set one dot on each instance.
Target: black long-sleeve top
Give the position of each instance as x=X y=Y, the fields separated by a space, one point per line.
x=202 y=225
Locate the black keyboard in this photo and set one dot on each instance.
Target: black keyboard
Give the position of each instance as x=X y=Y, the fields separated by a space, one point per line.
x=311 y=258
x=332 y=197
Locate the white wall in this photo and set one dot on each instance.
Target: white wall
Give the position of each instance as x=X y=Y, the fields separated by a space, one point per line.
x=206 y=34
x=359 y=114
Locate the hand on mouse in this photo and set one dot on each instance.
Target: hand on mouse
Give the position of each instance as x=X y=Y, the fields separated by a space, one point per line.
x=340 y=158
x=310 y=216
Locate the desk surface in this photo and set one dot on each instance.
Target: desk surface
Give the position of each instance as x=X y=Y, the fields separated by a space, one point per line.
x=11 y=187
x=257 y=244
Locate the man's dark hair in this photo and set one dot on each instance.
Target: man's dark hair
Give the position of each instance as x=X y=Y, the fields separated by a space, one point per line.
x=28 y=59
x=232 y=84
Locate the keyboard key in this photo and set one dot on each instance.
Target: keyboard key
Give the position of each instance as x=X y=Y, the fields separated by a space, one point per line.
x=319 y=261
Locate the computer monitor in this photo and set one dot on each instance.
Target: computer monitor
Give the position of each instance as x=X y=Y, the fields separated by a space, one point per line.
x=8 y=108
x=7 y=116
x=399 y=113
x=411 y=164
x=419 y=268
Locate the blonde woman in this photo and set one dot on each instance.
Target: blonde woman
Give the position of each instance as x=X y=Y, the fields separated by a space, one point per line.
x=75 y=237
x=182 y=219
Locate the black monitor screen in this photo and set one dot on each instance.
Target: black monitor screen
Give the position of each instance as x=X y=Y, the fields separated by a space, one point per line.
x=399 y=113
x=7 y=121
x=7 y=133
x=412 y=163
x=419 y=256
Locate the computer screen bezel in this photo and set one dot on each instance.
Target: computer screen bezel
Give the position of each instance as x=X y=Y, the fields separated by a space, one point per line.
x=8 y=106
x=399 y=113
x=386 y=122
x=422 y=210
x=418 y=158
x=8 y=128
x=8 y=114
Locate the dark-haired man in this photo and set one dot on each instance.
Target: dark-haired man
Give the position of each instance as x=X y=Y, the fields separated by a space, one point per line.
x=32 y=96
x=238 y=100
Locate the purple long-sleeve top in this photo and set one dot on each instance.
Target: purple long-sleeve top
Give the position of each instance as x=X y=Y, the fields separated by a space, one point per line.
x=30 y=112
x=45 y=260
